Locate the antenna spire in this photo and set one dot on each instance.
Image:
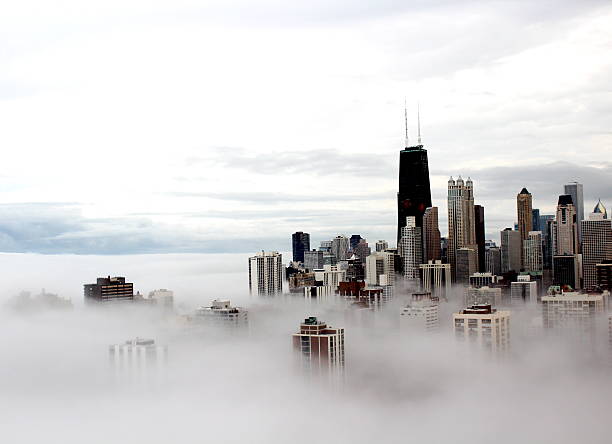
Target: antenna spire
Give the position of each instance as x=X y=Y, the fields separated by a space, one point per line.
x=419 y=121
x=406 y=121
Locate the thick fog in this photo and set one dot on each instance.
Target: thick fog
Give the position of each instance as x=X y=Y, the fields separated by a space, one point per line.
x=219 y=385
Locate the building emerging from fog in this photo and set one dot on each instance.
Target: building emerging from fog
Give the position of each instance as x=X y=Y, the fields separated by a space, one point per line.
x=138 y=360
x=221 y=312
x=485 y=326
x=483 y=296
x=421 y=314
x=596 y=244
x=266 y=273
x=380 y=268
x=109 y=289
x=572 y=310
x=320 y=347
x=411 y=249
x=162 y=297
x=461 y=222
x=436 y=278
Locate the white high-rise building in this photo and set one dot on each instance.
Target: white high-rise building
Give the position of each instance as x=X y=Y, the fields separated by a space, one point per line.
x=596 y=245
x=461 y=219
x=138 y=360
x=421 y=314
x=331 y=276
x=565 y=231
x=532 y=252
x=380 y=268
x=221 y=312
x=411 y=248
x=436 y=278
x=266 y=273
x=524 y=290
x=572 y=310
x=485 y=326
x=340 y=247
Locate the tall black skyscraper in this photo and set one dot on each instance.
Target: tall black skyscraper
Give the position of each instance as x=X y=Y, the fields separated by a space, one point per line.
x=354 y=241
x=301 y=243
x=414 y=195
x=479 y=225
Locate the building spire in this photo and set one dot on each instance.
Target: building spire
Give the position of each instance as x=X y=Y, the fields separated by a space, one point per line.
x=419 y=121
x=406 y=122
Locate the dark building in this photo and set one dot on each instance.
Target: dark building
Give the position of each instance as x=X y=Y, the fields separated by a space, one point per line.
x=535 y=218
x=566 y=271
x=604 y=275
x=414 y=195
x=479 y=225
x=547 y=226
x=355 y=270
x=109 y=289
x=301 y=243
x=354 y=241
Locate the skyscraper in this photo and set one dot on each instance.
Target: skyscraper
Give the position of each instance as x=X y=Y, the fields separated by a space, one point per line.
x=488 y=327
x=525 y=216
x=414 y=194
x=596 y=245
x=535 y=213
x=320 y=347
x=467 y=264
x=421 y=314
x=436 y=278
x=567 y=270
x=266 y=273
x=381 y=245
x=431 y=235
x=461 y=227
x=532 y=252
x=547 y=223
x=510 y=250
x=565 y=230
x=301 y=243
x=380 y=268
x=354 y=240
x=479 y=228
x=109 y=289
x=340 y=247
x=493 y=261
x=575 y=190
x=411 y=249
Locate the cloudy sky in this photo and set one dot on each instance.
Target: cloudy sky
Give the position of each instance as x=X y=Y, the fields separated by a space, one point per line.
x=133 y=126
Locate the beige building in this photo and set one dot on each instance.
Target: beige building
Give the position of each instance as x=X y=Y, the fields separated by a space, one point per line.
x=380 y=268
x=484 y=326
x=524 y=216
x=436 y=278
x=421 y=314
x=565 y=231
x=411 y=249
x=572 y=310
x=431 y=235
x=461 y=219
x=532 y=252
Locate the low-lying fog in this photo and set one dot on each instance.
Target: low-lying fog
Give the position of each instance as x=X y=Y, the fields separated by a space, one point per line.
x=56 y=384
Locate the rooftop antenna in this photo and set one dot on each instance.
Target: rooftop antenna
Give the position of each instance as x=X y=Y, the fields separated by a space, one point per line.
x=419 y=121
x=406 y=121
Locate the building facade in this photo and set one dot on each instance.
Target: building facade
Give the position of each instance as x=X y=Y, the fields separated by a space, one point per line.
x=266 y=273
x=482 y=324
x=510 y=250
x=436 y=278
x=596 y=246
x=524 y=290
x=320 y=347
x=421 y=314
x=461 y=224
x=431 y=235
x=524 y=212
x=565 y=231
x=533 y=259
x=411 y=249
x=109 y=289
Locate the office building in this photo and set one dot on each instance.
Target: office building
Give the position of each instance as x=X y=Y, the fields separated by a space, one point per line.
x=565 y=232
x=547 y=224
x=485 y=326
x=266 y=273
x=436 y=278
x=221 y=312
x=414 y=193
x=532 y=252
x=483 y=296
x=421 y=314
x=461 y=224
x=138 y=360
x=298 y=281
x=313 y=260
x=524 y=290
x=510 y=251
x=381 y=245
x=354 y=241
x=493 y=261
x=479 y=227
x=109 y=289
x=380 y=268
x=575 y=190
x=478 y=280
x=604 y=275
x=362 y=251
x=326 y=246
x=431 y=235
x=535 y=220
x=525 y=216
x=162 y=297
x=320 y=347
x=467 y=264
x=340 y=247
x=596 y=246
x=411 y=249
x=567 y=271
x=572 y=310
x=301 y=243
x=330 y=276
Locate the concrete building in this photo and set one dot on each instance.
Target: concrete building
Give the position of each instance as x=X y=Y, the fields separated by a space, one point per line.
x=431 y=235
x=301 y=243
x=567 y=271
x=565 y=231
x=380 y=268
x=298 y=281
x=411 y=249
x=320 y=347
x=138 y=361
x=461 y=223
x=604 y=275
x=381 y=245
x=109 y=289
x=510 y=250
x=421 y=314
x=436 y=278
x=575 y=190
x=467 y=264
x=330 y=276
x=493 y=261
x=313 y=260
x=532 y=252
x=596 y=245
x=525 y=217
x=572 y=310
x=340 y=247
x=484 y=326
x=478 y=280
x=483 y=296
x=266 y=273
x=162 y=297
x=362 y=251
x=221 y=312
x=524 y=290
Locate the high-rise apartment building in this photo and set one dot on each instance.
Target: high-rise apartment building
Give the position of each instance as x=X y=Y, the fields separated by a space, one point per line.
x=220 y=312
x=340 y=247
x=461 y=223
x=109 y=289
x=431 y=235
x=436 y=278
x=575 y=190
x=266 y=273
x=414 y=194
x=524 y=290
x=525 y=216
x=421 y=314
x=493 y=261
x=301 y=243
x=565 y=232
x=532 y=252
x=510 y=250
x=380 y=268
x=479 y=227
x=485 y=326
x=596 y=246
x=467 y=264
x=381 y=245
x=320 y=347
x=411 y=249
x=573 y=310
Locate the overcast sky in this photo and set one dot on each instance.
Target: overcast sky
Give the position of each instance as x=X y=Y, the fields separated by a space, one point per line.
x=133 y=126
